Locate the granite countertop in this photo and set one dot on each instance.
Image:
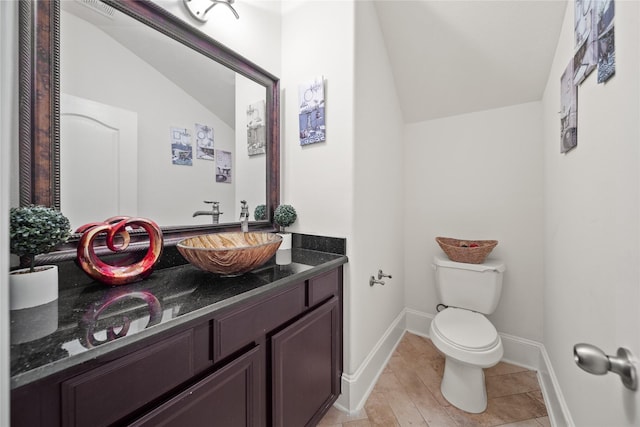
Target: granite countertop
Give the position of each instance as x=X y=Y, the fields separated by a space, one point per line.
x=93 y=319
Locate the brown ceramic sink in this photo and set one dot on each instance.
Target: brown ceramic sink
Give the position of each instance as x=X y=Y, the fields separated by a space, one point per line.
x=230 y=254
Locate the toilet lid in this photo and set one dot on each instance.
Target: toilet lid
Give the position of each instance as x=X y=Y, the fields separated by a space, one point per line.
x=465 y=329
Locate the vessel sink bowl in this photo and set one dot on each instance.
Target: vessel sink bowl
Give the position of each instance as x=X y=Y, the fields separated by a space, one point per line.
x=230 y=254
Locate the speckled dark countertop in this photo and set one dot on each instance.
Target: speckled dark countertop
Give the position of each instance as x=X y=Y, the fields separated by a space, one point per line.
x=90 y=319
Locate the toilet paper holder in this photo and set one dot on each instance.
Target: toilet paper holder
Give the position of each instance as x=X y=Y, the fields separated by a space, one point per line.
x=379 y=281
x=381 y=275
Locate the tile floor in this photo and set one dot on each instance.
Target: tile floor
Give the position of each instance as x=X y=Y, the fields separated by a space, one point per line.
x=408 y=394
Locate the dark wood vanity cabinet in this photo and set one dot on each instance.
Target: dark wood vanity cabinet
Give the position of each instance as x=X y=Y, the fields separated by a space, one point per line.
x=306 y=367
x=272 y=360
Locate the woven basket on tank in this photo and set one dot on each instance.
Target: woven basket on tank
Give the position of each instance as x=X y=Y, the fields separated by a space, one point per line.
x=466 y=250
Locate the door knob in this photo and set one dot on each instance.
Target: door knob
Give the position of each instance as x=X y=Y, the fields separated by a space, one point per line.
x=593 y=360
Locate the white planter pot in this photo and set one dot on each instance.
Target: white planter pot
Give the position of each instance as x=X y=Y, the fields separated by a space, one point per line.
x=286 y=241
x=283 y=256
x=33 y=289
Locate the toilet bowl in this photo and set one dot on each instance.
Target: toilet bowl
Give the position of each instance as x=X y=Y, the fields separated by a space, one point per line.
x=468 y=340
x=470 y=343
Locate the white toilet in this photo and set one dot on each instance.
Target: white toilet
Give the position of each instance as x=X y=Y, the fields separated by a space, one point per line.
x=467 y=338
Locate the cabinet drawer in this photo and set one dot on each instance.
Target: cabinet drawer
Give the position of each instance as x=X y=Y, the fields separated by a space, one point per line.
x=241 y=326
x=323 y=287
x=107 y=394
x=228 y=397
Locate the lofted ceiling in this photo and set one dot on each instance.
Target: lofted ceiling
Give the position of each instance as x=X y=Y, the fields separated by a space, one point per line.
x=448 y=57
x=206 y=81
x=452 y=57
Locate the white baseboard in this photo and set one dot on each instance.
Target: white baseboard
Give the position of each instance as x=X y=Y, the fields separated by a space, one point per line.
x=357 y=386
x=556 y=405
x=518 y=351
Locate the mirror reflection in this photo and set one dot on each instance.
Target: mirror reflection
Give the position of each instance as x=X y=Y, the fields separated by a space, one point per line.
x=152 y=128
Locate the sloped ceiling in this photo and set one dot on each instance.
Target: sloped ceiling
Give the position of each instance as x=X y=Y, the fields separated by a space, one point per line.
x=448 y=57
x=209 y=83
x=452 y=57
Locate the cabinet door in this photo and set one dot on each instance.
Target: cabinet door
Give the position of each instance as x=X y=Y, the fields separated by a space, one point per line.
x=306 y=367
x=229 y=397
x=105 y=395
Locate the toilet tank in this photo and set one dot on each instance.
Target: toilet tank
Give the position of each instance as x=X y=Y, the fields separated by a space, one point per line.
x=474 y=287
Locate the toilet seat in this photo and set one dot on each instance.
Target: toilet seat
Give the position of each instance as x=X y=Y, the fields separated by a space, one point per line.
x=467 y=336
x=477 y=334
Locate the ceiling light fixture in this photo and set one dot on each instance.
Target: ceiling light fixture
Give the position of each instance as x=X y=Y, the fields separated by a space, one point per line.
x=200 y=8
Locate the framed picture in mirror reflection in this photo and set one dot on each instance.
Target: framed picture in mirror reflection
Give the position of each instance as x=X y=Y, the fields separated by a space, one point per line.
x=223 y=166
x=181 y=150
x=256 y=129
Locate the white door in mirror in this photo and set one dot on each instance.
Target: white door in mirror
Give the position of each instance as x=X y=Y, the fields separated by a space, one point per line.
x=98 y=160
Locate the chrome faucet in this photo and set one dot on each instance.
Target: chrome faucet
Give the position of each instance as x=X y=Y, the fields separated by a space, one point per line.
x=214 y=212
x=244 y=216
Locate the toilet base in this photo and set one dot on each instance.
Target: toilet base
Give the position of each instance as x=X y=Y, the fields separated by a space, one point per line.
x=463 y=386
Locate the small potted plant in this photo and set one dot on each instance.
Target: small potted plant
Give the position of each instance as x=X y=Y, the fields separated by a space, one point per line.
x=35 y=230
x=284 y=216
x=260 y=213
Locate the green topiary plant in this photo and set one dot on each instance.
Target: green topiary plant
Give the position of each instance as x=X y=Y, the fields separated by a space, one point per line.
x=35 y=230
x=284 y=216
x=260 y=213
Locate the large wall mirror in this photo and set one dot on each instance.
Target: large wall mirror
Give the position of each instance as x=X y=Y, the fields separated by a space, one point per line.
x=127 y=110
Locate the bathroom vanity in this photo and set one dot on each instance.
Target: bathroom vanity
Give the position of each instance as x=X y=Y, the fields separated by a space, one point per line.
x=188 y=348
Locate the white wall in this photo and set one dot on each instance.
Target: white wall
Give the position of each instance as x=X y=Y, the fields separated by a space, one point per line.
x=478 y=176
x=378 y=195
x=592 y=215
x=318 y=179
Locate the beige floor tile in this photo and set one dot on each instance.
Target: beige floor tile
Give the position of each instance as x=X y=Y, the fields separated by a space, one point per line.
x=516 y=407
x=406 y=348
x=465 y=419
x=358 y=423
x=433 y=413
x=387 y=382
x=525 y=423
x=336 y=417
x=430 y=371
x=404 y=410
x=537 y=394
x=424 y=346
x=519 y=382
x=503 y=368
x=379 y=411
x=407 y=393
x=544 y=421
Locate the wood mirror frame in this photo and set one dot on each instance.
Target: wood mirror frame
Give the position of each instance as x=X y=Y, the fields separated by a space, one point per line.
x=39 y=95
